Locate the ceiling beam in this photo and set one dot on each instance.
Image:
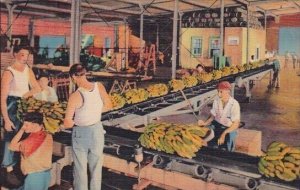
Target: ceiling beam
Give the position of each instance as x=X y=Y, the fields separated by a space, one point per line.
x=296 y=4
x=108 y=8
x=43 y=7
x=244 y=2
x=265 y=11
x=34 y=13
x=193 y=3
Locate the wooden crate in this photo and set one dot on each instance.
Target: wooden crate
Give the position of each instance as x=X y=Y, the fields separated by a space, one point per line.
x=248 y=142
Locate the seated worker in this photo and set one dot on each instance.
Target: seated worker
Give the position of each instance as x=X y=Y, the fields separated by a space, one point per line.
x=48 y=93
x=224 y=118
x=199 y=70
x=36 y=152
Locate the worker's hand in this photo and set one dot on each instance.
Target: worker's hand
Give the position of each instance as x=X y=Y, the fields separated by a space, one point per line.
x=221 y=139
x=201 y=123
x=27 y=95
x=9 y=126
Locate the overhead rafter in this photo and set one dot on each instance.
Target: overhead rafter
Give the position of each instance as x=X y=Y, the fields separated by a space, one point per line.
x=193 y=3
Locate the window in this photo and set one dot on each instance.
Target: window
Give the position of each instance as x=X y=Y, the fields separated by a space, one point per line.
x=107 y=42
x=196 y=47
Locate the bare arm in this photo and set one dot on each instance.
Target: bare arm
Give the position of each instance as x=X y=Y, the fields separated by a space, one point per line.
x=15 y=142
x=5 y=84
x=73 y=103
x=105 y=97
x=207 y=122
x=35 y=87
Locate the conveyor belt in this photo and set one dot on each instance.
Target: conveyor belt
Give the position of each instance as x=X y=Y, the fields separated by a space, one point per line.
x=154 y=104
x=122 y=143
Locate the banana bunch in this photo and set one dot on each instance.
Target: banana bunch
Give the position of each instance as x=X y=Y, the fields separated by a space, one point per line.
x=156 y=90
x=53 y=112
x=217 y=74
x=206 y=77
x=254 y=65
x=280 y=161
x=51 y=125
x=117 y=100
x=176 y=85
x=234 y=69
x=241 y=68
x=226 y=71
x=133 y=96
x=185 y=140
x=246 y=67
x=190 y=81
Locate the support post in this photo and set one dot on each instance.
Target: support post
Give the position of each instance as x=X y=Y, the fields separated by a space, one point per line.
x=141 y=28
x=77 y=33
x=157 y=39
x=247 y=47
x=10 y=9
x=174 y=43
x=75 y=39
x=31 y=32
x=180 y=38
x=222 y=31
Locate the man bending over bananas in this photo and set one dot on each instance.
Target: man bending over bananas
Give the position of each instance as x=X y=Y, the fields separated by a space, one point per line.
x=224 y=119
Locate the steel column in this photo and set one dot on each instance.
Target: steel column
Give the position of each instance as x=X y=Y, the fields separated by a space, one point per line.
x=31 y=32
x=174 y=43
x=10 y=9
x=222 y=30
x=141 y=28
x=247 y=47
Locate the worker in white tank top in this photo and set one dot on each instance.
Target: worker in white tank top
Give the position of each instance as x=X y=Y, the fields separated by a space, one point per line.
x=87 y=104
x=18 y=81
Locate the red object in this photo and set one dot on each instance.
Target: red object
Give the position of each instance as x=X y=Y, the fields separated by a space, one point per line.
x=32 y=143
x=224 y=85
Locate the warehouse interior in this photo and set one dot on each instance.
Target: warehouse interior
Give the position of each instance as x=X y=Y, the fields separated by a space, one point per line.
x=148 y=65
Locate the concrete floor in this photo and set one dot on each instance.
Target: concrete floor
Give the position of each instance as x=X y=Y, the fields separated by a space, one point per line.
x=275 y=112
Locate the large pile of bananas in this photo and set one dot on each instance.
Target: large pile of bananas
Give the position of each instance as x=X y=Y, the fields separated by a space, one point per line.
x=246 y=67
x=190 y=81
x=217 y=74
x=281 y=161
x=254 y=65
x=206 y=77
x=156 y=90
x=54 y=113
x=176 y=85
x=226 y=71
x=133 y=96
x=234 y=69
x=117 y=100
x=185 y=140
x=241 y=68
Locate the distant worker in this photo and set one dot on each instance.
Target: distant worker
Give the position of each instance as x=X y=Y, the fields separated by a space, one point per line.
x=252 y=59
x=295 y=58
x=199 y=70
x=84 y=110
x=224 y=119
x=276 y=69
x=48 y=93
x=286 y=59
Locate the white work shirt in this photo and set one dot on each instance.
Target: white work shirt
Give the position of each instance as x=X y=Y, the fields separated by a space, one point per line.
x=228 y=114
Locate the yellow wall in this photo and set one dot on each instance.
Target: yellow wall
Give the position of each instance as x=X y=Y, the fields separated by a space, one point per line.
x=187 y=61
x=257 y=38
x=236 y=52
